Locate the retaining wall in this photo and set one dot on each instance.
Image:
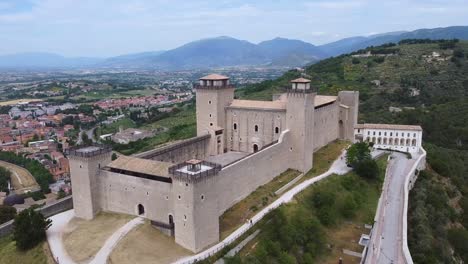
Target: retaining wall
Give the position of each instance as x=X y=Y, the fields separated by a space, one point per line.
x=419 y=165
x=49 y=210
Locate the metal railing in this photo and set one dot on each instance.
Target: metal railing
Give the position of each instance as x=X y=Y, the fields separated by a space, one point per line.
x=193 y=177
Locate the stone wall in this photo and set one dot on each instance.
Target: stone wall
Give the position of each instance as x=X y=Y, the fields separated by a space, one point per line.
x=326 y=125
x=238 y=180
x=246 y=127
x=193 y=148
x=57 y=207
x=123 y=193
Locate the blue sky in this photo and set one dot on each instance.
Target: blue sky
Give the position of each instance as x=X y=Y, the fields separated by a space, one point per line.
x=113 y=27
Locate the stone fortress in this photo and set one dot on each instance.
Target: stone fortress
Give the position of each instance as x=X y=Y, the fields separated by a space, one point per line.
x=184 y=187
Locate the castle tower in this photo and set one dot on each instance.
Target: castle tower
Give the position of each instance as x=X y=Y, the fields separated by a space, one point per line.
x=85 y=163
x=214 y=93
x=300 y=122
x=349 y=109
x=196 y=214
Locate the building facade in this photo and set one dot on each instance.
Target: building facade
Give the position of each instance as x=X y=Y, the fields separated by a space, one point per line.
x=183 y=188
x=405 y=138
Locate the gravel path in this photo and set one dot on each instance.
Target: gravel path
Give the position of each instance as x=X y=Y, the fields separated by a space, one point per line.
x=58 y=227
x=111 y=242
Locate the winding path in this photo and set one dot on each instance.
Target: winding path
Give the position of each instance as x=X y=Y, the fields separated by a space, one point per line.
x=59 y=224
x=386 y=244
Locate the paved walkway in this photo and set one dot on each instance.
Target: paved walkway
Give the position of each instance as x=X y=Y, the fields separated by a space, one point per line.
x=59 y=224
x=54 y=236
x=386 y=242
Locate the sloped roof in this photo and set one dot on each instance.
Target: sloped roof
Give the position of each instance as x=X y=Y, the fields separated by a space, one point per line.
x=214 y=77
x=389 y=126
x=301 y=80
x=253 y=104
x=324 y=99
x=151 y=167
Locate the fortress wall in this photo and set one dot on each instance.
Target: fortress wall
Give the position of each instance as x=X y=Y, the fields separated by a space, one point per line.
x=244 y=137
x=238 y=180
x=349 y=115
x=326 y=126
x=193 y=148
x=122 y=194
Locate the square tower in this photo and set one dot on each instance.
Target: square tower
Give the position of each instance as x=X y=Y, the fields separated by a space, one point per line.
x=85 y=163
x=214 y=94
x=300 y=122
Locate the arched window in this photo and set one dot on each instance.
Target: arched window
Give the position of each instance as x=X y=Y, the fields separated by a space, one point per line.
x=256 y=128
x=402 y=141
x=235 y=126
x=414 y=142
x=276 y=130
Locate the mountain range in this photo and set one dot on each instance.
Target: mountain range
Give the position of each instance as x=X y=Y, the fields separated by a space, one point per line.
x=227 y=52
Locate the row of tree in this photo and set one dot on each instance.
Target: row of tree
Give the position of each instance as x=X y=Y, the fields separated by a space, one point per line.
x=40 y=173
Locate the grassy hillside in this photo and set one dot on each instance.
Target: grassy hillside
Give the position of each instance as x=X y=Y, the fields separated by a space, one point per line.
x=428 y=82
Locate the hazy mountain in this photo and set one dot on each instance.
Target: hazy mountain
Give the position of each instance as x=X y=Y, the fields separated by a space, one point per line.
x=209 y=53
x=356 y=43
x=291 y=52
x=44 y=60
x=227 y=51
x=133 y=60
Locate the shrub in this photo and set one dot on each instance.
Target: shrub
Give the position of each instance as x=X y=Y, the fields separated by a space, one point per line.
x=355 y=61
x=29 y=229
x=7 y=213
x=367 y=168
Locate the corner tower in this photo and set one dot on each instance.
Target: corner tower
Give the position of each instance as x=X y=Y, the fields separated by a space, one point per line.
x=213 y=94
x=300 y=122
x=85 y=163
x=196 y=214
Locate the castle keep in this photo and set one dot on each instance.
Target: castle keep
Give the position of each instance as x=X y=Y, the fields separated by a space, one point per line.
x=184 y=187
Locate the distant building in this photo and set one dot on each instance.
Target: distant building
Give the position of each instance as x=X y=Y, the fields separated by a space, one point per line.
x=404 y=138
x=131 y=134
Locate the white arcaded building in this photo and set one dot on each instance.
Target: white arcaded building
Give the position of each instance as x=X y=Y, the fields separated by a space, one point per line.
x=184 y=187
x=406 y=138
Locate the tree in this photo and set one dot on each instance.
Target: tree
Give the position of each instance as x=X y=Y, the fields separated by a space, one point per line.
x=367 y=168
x=357 y=152
x=7 y=213
x=61 y=194
x=4 y=178
x=114 y=156
x=29 y=229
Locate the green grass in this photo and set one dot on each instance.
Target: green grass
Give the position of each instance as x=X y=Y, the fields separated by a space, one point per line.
x=181 y=125
x=114 y=127
x=249 y=206
x=264 y=195
x=324 y=157
x=339 y=233
x=9 y=254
